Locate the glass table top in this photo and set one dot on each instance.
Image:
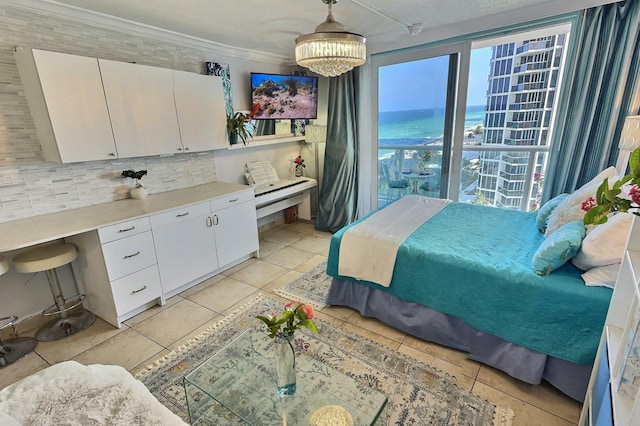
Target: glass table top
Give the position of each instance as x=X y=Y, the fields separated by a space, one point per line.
x=237 y=385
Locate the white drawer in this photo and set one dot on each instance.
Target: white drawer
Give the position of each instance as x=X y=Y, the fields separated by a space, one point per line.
x=124 y=229
x=179 y=214
x=127 y=255
x=232 y=199
x=136 y=289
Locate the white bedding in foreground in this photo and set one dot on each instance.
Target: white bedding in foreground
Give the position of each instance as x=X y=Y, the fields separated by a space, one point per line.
x=70 y=393
x=368 y=250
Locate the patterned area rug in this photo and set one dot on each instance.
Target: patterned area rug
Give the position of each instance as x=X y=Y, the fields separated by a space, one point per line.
x=311 y=288
x=417 y=393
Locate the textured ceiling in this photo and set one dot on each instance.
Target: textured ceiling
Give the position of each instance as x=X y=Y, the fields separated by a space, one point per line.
x=271 y=26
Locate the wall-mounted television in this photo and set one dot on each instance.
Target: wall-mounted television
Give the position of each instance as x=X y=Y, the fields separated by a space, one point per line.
x=279 y=96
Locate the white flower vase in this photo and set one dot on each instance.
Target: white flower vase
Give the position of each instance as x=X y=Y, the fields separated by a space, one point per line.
x=138 y=192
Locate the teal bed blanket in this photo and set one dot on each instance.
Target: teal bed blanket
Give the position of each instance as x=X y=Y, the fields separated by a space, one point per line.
x=474 y=262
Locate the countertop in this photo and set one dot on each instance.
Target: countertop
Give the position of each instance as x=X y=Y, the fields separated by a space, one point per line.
x=22 y=233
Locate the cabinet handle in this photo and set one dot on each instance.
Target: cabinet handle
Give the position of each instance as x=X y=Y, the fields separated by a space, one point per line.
x=179 y=149
x=112 y=154
x=186 y=149
x=127 y=229
x=216 y=221
x=139 y=290
x=233 y=200
x=132 y=255
x=182 y=214
x=209 y=222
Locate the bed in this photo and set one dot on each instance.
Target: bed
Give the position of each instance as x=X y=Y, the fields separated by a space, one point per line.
x=464 y=279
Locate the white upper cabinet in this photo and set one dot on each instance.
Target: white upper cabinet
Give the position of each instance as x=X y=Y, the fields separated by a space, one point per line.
x=141 y=107
x=67 y=104
x=201 y=111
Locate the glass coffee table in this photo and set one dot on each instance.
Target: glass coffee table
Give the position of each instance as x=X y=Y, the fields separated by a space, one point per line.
x=237 y=385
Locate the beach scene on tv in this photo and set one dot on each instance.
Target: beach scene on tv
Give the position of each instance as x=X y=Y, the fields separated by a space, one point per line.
x=284 y=96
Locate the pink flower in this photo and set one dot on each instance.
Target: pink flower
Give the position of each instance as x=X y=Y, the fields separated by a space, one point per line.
x=588 y=204
x=634 y=192
x=308 y=311
x=290 y=306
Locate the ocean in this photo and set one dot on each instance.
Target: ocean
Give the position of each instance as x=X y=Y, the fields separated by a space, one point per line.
x=420 y=127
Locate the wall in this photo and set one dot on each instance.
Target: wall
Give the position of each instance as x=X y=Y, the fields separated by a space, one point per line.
x=31 y=187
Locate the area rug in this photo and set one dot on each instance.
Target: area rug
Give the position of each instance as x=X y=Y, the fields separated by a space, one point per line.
x=417 y=393
x=311 y=288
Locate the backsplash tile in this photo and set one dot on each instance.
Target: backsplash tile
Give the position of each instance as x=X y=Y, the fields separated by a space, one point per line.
x=31 y=187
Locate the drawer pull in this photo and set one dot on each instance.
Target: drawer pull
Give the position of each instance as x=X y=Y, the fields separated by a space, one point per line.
x=139 y=290
x=127 y=229
x=182 y=214
x=233 y=200
x=132 y=255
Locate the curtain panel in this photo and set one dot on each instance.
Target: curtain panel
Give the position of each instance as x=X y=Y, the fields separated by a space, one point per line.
x=337 y=206
x=597 y=95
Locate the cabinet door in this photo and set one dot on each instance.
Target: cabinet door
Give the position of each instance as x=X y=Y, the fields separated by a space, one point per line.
x=67 y=104
x=236 y=231
x=185 y=250
x=142 y=109
x=201 y=111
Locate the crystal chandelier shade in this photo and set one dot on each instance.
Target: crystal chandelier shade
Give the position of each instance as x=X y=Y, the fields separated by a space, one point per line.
x=330 y=51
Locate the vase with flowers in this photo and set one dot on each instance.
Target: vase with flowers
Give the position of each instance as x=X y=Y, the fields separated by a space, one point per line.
x=299 y=165
x=138 y=191
x=622 y=197
x=281 y=328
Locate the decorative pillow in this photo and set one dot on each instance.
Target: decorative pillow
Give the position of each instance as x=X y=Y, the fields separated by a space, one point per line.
x=556 y=250
x=604 y=276
x=546 y=210
x=605 y=244
x=571 y=207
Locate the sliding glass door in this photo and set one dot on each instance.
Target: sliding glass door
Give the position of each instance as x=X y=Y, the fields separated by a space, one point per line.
x=468 y=121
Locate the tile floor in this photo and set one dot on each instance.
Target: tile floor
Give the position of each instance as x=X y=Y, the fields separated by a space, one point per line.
x=287 y=251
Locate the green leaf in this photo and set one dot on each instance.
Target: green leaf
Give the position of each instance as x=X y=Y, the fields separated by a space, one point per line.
x=634 y=163
x=597 y=215
x=310 y=325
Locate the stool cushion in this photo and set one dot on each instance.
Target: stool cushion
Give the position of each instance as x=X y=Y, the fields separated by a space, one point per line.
x=4 y=265
x=45 y=257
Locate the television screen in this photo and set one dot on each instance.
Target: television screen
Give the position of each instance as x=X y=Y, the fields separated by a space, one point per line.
x=277 y=96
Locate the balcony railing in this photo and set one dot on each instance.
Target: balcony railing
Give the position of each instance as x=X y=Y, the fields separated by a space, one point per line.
x=406 y=158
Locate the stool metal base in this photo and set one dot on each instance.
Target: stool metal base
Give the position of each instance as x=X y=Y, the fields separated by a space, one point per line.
x=65 y=327
x=14 y=349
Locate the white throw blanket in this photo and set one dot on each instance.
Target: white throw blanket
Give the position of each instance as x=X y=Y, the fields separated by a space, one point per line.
x=368 y=250
x=70 y=393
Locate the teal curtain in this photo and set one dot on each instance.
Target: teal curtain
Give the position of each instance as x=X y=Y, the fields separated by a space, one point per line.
x=338 y=200
x=602 y=77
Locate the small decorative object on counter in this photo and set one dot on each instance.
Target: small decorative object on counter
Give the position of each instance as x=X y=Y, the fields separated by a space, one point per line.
x=281 y=328
x=138 y=191
x=299 y=162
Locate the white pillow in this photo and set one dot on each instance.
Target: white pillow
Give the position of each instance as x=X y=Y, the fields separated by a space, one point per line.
x=605 y=244
x=604 y=276
x=570 y=208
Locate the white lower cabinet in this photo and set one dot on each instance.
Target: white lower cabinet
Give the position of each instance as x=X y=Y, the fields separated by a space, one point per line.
x=128 y=267
x=185 y=245
x=117 y=270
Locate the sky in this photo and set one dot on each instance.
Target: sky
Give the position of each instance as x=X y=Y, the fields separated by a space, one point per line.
x=423 y=84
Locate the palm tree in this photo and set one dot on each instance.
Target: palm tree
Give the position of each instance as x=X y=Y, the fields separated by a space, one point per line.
x=477 y=132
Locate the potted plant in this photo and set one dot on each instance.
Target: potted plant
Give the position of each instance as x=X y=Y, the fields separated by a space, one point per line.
x=137 y=191
x=239 y=126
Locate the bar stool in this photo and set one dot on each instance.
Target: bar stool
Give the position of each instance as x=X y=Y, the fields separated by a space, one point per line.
x=47 y=258
x=13 y=349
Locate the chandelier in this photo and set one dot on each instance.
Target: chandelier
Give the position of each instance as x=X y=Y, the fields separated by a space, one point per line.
x=330 y=50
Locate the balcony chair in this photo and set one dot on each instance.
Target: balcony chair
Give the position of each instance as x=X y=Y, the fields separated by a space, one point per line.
x=398 y=186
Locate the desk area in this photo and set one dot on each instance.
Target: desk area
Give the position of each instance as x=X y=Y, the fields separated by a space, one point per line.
x=124 y=246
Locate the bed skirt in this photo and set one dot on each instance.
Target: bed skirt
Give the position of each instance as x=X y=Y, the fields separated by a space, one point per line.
x=433 y=326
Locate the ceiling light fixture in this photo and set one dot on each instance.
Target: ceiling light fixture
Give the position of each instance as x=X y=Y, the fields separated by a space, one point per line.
x=330 y=50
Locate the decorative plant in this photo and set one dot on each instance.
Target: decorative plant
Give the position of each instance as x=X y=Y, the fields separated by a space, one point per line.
x=611 y=200
x=240 y=126
x=134 y=175
x=295 y=315
x=299 y=162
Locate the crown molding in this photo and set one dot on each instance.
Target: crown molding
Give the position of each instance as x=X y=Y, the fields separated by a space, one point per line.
x=53 y=8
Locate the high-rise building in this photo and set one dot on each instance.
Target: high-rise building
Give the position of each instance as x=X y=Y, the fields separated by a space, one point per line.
x=522 y=85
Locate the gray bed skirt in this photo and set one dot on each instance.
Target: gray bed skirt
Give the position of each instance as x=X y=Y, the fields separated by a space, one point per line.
x=419 y=321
